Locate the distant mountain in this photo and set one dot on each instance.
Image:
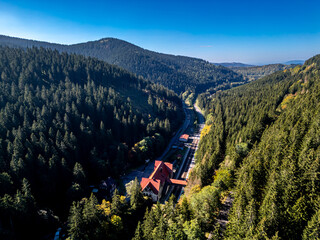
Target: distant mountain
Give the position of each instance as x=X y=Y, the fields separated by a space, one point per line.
x=233 y=64
x=178 y=73
x=298 y=62
x=256 y=72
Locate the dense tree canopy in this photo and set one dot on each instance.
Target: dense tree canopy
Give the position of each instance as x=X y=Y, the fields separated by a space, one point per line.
x=266 y=135
x=260 y=144
x=256 y=72
x=66 y=122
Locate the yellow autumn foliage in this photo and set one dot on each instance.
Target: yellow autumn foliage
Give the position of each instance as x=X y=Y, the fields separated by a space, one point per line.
x=286 y=100
x=295 y=70
x=122 y=199
x=195 y=189
x=205 y=130
x=117 y=222
x=105 y=207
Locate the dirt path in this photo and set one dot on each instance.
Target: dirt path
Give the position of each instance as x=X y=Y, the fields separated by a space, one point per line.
x=222 y=218
x=224 y=211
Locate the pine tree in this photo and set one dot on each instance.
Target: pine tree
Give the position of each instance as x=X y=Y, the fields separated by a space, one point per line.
x=312 y=230
x=138 y=233
x=76 y=222
x=78 y=174
x=193 y=230
x=135 y=194
x=116 y=203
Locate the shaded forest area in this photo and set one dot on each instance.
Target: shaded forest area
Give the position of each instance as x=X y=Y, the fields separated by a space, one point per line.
x=66 y=122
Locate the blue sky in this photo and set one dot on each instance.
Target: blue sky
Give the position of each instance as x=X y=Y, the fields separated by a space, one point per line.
x=255 y=32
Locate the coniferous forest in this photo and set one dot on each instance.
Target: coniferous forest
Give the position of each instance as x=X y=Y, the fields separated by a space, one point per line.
x=66 y=122
x=260 y=147
x=178 y=73
x=262 y=141
x=256 y=72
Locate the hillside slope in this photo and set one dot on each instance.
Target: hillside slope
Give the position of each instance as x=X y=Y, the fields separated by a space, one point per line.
x=234 y=64
x=265 y=135
x=256 y=72
x=67 y=122
x=175 y=72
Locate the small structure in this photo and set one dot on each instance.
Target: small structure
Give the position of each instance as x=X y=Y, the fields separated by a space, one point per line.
x=107 y=187
x=161 y=175
x=184 y=138
x=178 y=182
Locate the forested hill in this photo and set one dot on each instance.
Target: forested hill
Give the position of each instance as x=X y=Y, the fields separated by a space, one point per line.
x=256 y=72
x=67 y=121
x=175 y=72
x=263 y=138
x=234 y=64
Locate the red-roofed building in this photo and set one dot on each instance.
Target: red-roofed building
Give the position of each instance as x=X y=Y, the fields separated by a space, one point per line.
x=162 y=174
x=153 y=185
x=184 y=138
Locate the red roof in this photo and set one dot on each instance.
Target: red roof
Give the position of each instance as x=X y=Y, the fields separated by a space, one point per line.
x=178 y=182
x=153 y=184
x=184 y=136
x=160 y=174
x=169 y=166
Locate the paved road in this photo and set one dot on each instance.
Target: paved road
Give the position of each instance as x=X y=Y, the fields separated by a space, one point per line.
x=139 y=173
x=187 y=165
x=200 y=115
x=190 y=160
x=196 y=140
x=179 y=132
x=147 y=169
x=190 y=163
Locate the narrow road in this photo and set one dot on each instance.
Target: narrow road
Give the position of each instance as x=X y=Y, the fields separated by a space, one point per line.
x=179 y=132
x=189 y=161
x=146 y=169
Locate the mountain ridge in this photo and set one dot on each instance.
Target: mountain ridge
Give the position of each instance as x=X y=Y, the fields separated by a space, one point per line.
x=256 y=72
x=179 y=73
x=234 y=64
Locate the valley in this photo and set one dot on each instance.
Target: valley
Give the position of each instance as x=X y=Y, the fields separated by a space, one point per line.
x=188 y=160
x=230 y=154
x=159 y=120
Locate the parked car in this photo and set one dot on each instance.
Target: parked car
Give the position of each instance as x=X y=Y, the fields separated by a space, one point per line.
x=57 y=235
